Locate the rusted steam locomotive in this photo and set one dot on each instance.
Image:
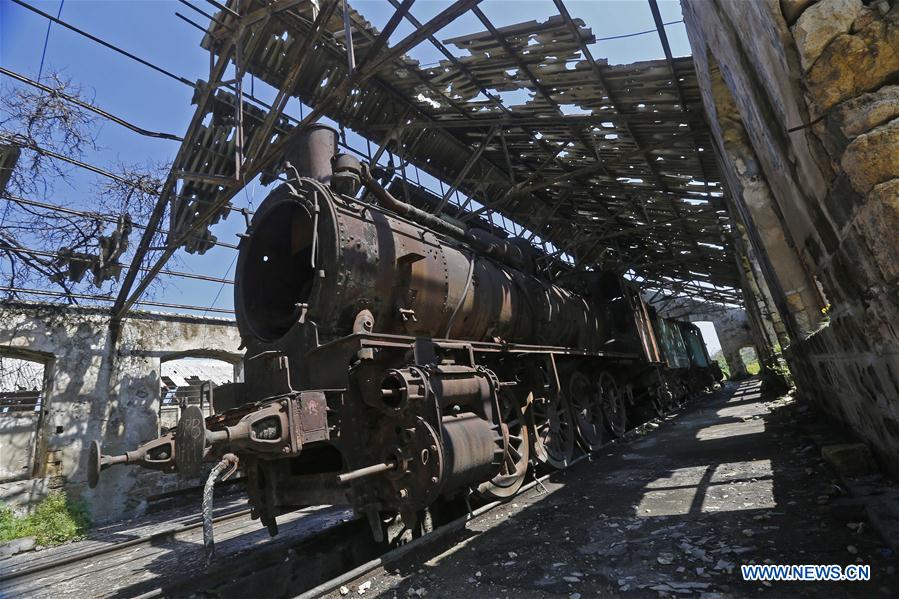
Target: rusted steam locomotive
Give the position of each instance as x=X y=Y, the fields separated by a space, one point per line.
x=394 y=359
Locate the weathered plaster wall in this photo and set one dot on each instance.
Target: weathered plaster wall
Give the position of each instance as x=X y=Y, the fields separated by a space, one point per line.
x=731 y=326
x=99 y=391
x=803 y=100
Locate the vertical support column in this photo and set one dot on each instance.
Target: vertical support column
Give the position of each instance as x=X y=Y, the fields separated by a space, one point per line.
x=800 y=303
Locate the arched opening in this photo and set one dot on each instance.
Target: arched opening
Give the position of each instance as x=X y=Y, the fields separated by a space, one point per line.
x=713 y=344
x=193 y=380
x=22 y=398
x=750 y=360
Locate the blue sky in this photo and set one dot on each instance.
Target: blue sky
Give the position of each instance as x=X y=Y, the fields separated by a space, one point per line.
x=150 y=29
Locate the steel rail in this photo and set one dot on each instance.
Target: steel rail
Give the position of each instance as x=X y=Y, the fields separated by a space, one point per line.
x=92 y=553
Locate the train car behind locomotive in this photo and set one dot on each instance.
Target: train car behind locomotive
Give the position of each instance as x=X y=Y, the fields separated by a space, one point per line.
x=395 y=360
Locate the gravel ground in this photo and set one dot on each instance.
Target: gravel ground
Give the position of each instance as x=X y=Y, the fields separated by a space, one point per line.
x=733 y=479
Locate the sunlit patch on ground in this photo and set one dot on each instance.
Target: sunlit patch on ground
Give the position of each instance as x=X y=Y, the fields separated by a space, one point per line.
x=723 y=431
x=732 y=486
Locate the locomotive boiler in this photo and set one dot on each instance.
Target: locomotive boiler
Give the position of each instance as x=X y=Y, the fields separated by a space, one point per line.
x=395 y=359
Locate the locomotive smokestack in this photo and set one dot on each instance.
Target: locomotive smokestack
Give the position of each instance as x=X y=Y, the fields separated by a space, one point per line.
x=312 y=152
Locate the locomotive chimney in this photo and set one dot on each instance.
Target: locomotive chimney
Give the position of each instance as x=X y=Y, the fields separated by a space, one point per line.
x=312 y=152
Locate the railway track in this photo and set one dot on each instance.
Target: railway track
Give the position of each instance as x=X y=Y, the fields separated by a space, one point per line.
x=320 y=549
x=162 y=562
x=87 y=554
x=420 y=544
x=442 y=533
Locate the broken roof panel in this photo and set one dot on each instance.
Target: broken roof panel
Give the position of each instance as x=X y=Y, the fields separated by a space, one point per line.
x=603 y=161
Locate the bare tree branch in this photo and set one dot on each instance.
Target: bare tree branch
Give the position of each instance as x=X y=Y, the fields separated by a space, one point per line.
x=77 y=243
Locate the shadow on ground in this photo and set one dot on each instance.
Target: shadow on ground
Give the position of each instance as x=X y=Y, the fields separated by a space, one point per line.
x=729 y=481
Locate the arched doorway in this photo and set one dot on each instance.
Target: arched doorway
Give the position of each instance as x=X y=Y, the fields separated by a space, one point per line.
x=192 y=379
x=713 y=344
x=750 y=360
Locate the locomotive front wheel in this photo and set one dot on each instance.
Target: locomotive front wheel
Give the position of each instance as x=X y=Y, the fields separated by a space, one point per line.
x=587 y=409
x=555 y=430
x=613 y=404
x=516 y=439
x=398 y=529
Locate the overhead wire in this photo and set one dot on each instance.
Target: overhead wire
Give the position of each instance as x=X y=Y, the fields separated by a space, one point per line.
x=174 y=273
x=40 y=69
x=90 y=167
x=103 y=298
x=167 y=73
x=193 y=85
x=87 y=214
x=87 y=106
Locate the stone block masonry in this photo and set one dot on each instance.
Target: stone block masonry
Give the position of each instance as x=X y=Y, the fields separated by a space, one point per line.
x=803 y=101
x=104 y=391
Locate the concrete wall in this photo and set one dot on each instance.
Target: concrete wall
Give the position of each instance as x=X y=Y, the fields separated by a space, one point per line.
x=804 y=107
x=99 y=391
x=18 y=440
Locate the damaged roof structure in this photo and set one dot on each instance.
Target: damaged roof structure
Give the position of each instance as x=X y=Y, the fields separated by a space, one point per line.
x=613 y=165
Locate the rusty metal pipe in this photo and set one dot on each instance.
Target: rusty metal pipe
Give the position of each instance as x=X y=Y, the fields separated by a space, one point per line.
x=386 y=200
x=364 y=472
x=483 y=242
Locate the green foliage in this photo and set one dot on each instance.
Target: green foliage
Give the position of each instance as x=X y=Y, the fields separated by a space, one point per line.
x=722 y=363
x=781 y=371
x=55 y=520
x=8 y=524
x=751 y=360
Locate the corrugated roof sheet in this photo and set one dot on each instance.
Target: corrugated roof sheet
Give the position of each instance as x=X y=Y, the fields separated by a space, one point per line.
x=204 y=369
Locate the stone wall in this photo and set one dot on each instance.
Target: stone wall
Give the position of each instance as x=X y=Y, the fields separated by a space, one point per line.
x=97 y=390
x=803 y=100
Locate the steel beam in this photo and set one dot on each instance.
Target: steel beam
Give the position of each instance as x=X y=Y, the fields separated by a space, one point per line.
x=363 y=72
x=462 y=174
x=440 y=21
x=122 y=301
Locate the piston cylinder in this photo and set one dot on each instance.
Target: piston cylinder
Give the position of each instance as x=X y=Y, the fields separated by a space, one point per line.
x=473 y=451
